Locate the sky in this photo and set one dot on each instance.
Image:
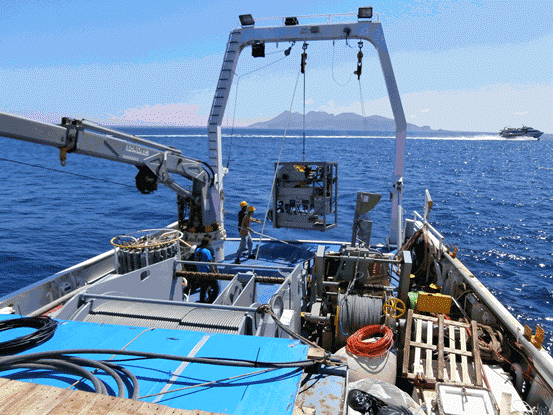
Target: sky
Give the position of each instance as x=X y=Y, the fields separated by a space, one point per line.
x=459 y=65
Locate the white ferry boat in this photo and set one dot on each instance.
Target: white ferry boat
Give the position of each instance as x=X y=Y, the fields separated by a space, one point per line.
x=508 y=132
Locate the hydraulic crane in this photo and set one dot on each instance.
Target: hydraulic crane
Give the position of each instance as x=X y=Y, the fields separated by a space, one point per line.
x=197 y=206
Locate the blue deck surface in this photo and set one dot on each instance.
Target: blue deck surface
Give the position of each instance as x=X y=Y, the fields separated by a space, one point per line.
x=272 y=391
x=274 y=253
x=264 y=391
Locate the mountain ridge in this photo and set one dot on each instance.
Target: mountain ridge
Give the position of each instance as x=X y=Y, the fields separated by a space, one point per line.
x=320 y=120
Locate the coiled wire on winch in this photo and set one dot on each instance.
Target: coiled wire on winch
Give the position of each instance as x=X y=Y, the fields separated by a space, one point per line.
x=45 y=330
x=355 y=312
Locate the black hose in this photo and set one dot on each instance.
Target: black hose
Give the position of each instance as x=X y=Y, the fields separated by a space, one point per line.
x=61 y=366
x=130 y=376
x=102 y=366
x=7 y=360
x=61 y=361
x=45 y=330
x=75 y=365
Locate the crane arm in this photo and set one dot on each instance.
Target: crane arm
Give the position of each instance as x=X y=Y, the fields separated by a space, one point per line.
x=155 y=161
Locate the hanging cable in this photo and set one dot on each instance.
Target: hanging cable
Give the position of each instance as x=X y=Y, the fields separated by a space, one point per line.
x=358 y=73
x=67 y=172
x=286 y=54
x=277 y=165
x=303 y=62
x=333 y=77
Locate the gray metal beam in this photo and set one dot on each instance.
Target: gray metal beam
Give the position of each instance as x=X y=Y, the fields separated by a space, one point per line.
x=363 y=30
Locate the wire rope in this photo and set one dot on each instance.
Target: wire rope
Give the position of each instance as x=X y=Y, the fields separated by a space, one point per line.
x=199 y=385
x=277 y=164
x=62 y=361
x=303 y=117
x=362 y=107
x=238 y=77
x=65 y=361
x=266 y=309
x=67 y=172
x=333 y=77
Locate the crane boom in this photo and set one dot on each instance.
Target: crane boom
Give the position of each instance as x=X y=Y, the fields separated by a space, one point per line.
x=155 y=161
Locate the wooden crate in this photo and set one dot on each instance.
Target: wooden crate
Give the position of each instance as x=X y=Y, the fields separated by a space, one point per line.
x=455 y=359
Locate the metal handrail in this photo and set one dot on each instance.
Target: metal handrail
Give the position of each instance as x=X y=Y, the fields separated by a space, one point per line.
x=87 y=296
x=224 y=265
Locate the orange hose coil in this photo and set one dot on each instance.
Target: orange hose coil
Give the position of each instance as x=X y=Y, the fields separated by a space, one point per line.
x=357 y=346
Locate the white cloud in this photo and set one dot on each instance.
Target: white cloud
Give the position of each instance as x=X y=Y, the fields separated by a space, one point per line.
x=163 y=114
x=433 y=87
x=486 y=109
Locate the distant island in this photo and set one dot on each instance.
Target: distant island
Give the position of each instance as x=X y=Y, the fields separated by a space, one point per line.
x=318 y=120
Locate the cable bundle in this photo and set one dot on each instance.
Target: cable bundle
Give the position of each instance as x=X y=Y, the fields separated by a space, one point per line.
x=357 y=346
x=76 y=366
x=45 y=330
x=59 y=361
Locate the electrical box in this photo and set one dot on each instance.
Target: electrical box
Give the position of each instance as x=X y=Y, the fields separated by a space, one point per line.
x=433 y=303
x=305 y=196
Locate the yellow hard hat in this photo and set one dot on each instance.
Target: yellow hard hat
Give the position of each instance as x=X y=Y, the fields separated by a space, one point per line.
x=243 y=203
x=251 y=209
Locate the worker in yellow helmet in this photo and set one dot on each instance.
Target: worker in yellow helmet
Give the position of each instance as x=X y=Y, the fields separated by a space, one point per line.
x=242 y=212
x=245 y=237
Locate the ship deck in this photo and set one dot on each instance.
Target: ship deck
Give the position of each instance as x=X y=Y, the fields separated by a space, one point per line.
x=33 y=399
x=214 y=388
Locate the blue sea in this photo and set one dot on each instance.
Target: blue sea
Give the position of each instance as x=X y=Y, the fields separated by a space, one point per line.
x=492 y=198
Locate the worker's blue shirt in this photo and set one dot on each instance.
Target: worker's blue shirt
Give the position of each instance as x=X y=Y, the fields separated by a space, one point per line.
x=203 y=255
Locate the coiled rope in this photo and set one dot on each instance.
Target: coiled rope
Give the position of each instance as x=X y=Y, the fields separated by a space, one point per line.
x=357 y=346
x=45 y=330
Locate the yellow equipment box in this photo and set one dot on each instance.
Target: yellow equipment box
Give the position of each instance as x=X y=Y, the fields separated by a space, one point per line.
x=433 y=303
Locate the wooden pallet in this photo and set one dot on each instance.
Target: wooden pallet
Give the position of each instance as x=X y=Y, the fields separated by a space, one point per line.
x=449 y=361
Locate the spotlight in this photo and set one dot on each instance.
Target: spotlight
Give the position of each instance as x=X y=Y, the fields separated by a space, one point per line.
x=246 y=20
x=365 y=13
x=291 y=21
x=258 y=50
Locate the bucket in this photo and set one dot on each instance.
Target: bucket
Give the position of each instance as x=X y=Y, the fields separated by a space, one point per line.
x=381 y=367
x=413 y=297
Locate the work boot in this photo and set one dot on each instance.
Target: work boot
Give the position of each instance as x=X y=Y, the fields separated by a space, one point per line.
x=237 y=261
x=251 y=256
